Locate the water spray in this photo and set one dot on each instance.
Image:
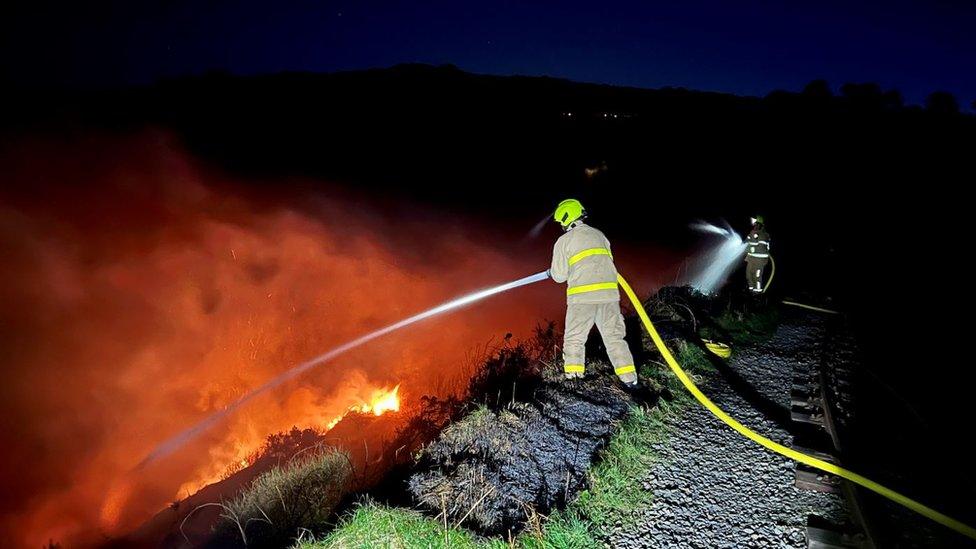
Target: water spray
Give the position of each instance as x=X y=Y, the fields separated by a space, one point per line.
x=713 y=267
x=537 y=229
x=709 y=228
x=177 y=441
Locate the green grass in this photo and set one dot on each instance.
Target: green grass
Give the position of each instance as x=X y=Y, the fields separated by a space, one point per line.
x=563 y=529
x=692 y=359
x=372 y=525
x=749 y=328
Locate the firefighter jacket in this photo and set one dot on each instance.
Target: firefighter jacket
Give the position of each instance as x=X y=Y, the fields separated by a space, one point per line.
x=757 y=244
x=581 y=257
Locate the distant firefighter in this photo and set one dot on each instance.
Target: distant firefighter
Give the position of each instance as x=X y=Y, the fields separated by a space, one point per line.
x=582 y=258
x=757 y=254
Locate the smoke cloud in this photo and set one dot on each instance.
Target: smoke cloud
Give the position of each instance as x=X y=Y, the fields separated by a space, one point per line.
x=142 y=292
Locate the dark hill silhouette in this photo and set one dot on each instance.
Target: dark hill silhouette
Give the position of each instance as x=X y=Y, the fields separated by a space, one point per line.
x=437 y=133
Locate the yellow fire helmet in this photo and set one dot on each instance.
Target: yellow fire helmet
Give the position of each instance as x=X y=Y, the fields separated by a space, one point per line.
x=567 y=211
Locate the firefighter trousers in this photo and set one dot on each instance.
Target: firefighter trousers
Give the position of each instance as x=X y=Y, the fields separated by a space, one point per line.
x=754 y=273
x=580 y=318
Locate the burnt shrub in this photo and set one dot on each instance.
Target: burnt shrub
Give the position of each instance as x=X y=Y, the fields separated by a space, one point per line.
x=494 y=469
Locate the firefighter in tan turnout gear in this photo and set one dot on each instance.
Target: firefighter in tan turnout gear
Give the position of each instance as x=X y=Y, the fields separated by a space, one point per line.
x=757 y=254
x=582 y=258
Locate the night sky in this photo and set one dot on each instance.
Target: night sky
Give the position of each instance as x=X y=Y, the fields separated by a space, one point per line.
x=744 y=47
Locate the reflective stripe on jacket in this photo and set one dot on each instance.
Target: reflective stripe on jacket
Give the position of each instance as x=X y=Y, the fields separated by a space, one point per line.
x=582 y=258
x=757 y=244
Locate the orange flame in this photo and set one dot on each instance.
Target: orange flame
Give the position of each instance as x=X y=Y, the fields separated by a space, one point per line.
x=380 y=402
x=383 y=401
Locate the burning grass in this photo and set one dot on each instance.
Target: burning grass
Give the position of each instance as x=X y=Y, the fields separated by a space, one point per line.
x=499 y=373
x=606 y=495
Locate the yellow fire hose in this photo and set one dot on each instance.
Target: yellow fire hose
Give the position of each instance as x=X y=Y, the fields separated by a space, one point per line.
x=947 y=521
x=772 y=273
x=810 y=307
x=720 y=350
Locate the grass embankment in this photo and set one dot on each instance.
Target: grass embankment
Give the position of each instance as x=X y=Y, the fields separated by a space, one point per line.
x=615 y=489
x=743 y=326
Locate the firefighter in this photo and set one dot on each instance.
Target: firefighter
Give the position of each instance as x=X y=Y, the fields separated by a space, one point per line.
x=757 y=254
x=582 y=258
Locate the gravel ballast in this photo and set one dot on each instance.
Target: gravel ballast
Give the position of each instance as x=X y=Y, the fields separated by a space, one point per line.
x=713 y=487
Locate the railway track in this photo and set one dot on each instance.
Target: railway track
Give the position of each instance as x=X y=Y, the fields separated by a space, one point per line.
x=820 y=406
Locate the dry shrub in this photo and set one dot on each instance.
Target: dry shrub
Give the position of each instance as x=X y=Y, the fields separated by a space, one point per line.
x=288 y=500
